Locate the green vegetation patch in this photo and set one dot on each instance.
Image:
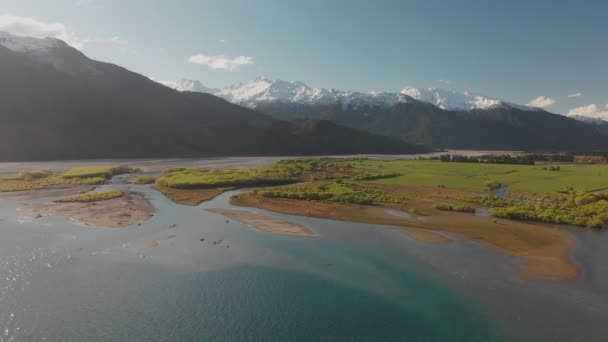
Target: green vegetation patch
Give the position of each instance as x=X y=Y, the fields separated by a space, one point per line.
x=459 y=208
x=488 y=201
x=518 y=178
x=36 y=180
x=97 y=171
x=145 y=179
x=197 y=178
x=93 y=197
x=579 y=209
x=338 y=191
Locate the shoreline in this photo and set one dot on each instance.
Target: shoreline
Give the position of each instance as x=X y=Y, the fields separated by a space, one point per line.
x=546 y=252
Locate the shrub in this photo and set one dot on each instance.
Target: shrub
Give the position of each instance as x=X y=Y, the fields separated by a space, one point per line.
x=93 y=197
x=145 y=179
x=96 y=171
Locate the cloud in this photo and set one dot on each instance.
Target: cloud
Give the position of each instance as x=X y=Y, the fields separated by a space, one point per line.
x=220 y=61
x=446 y=82
x=222 y=41
x=30 y=27
x=591 y=111
x=541 y=102
x=575 y=95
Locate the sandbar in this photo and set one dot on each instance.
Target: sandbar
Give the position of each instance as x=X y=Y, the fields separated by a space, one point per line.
x=114 y=213
x=264 y=223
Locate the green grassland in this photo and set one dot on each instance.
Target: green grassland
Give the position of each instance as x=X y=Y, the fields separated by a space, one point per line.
x=518 y=178
x=575 y=208
x=283 y=172
x=93 y=197
x=197 y=178
x=96 y=171
x=145 y=179
x=337 y=191
x=44 y=181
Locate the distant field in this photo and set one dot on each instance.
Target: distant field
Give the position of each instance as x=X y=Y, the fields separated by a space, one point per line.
x=96 y=171
x=519 y=178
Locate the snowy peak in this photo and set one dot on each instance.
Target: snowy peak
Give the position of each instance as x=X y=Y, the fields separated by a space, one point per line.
x=262 y=90
x=188 y=85
x=29 y=45
x=451 y=100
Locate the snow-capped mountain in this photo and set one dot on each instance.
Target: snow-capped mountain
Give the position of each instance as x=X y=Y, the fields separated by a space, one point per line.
x=263 y=91
x=188 y=85
x=54 y=52
x=451 y=100
x=29 y=45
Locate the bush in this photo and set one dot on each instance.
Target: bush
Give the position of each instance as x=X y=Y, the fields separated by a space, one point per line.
x=96 y=171
x=587 y=210
x=142 y=180
x=344 y=192
x=459 y=208
x=93 y=197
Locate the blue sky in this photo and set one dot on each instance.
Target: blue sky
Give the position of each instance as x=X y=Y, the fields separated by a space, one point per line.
x=514 y=50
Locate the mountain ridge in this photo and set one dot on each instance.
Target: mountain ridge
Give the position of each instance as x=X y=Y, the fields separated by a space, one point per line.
x=477 y=122
x=260 y=90
x=64 y=105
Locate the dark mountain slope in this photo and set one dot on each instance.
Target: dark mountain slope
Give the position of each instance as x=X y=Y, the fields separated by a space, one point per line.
x=502 y=127
x=71 y=107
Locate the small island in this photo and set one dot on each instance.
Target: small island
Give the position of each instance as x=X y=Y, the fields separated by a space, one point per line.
x=265 y=223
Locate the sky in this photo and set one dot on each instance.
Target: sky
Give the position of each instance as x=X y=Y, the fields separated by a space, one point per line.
x=551 y=54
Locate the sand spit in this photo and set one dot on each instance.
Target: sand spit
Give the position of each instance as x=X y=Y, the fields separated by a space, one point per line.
x=266 y=224
x=114 y=213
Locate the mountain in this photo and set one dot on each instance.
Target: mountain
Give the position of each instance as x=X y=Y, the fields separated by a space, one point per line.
x=262 y=90
x=432 y=117
x=188 y=85
x=56 y=103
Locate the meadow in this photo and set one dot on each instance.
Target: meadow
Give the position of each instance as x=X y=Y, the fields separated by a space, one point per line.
x=525 y=179
x=93 y=197
x=97 y=171
x=337 y=191
x=44 y=179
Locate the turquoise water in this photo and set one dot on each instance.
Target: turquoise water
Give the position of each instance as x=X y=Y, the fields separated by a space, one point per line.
x=243 y=304
x=62 y=282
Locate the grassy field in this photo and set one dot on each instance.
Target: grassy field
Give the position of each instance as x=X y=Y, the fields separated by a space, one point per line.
x=96 y=171
x=37 y=180
x=337 y=191
x=519 y=178
x=93 y=197
x=23 y=182
x=197 y=178
x=143 y=180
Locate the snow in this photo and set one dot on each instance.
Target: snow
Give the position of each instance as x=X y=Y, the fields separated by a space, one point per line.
x=187 y=85
x=263 y=90
x=451 y=100
x=28 y=45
